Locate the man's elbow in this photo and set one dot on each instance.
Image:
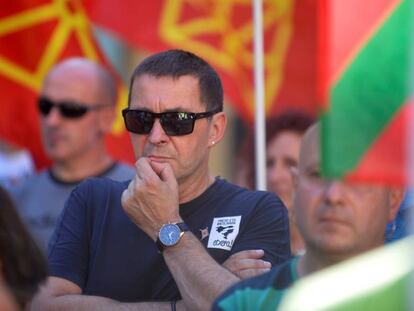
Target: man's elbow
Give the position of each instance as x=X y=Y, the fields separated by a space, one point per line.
x=51 y=294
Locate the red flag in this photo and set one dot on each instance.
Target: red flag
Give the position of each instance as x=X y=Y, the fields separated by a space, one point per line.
x=222 y=33
x=34 y=35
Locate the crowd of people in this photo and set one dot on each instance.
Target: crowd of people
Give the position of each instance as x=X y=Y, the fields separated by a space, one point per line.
x=166 y=234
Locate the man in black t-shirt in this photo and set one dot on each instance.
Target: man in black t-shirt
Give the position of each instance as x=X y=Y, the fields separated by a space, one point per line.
x=174 y=232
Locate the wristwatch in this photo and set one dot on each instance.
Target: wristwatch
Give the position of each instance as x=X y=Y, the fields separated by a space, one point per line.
x=170 y=235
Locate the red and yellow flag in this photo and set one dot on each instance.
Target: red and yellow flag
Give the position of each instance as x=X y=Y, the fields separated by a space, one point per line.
x=34 y=35
x=222 y=33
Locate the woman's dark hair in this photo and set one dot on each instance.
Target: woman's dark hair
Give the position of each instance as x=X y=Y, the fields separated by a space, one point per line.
x=22 y=262
x=288 y=121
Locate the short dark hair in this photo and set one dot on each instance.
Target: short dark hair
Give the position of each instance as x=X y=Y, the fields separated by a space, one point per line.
x=23 y=264
x=290 y=121
x=177 y=63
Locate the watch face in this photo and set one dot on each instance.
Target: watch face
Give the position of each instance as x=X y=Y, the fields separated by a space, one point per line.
x=169 y=234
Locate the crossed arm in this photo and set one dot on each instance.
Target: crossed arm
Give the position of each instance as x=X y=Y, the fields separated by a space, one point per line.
x=201 y=277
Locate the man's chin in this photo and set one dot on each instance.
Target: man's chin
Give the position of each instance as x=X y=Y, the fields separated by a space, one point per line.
x=335 y=245
x=57 y=155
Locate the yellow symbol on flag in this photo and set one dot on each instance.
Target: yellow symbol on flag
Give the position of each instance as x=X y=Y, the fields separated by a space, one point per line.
x=233 y=53
x=68 y=21
x=71 y=20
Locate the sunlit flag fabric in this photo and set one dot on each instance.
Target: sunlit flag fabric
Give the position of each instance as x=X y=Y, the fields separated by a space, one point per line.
x=379 y=280
x=366 y=53
x=35 y=34
x=222 y=33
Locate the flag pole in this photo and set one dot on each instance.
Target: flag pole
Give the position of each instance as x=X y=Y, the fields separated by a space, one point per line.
x=411 y=154
x=260 y=131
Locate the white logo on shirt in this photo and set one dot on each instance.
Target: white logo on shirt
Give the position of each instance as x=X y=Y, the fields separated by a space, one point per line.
x=224 y=231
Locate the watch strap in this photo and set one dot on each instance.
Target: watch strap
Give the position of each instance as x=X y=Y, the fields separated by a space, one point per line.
x=183 y=226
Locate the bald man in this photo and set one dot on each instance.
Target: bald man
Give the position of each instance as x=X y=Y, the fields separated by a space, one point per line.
x=337 y=220
x=77 y=108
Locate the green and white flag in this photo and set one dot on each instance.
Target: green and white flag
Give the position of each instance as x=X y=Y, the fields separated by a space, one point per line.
x=377 y=280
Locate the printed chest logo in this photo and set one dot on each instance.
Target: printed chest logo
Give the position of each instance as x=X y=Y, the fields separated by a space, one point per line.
x=224 y=231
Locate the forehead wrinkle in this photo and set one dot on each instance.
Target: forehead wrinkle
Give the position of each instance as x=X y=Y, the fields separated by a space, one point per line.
x=175 y=109
x=156 y=102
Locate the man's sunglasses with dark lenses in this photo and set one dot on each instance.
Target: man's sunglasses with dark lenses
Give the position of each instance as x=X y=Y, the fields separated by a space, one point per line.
x=67 y=109
x=173 y=123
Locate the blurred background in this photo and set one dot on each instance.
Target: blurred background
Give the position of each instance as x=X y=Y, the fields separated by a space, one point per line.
x=35 y=34
x=350 y=63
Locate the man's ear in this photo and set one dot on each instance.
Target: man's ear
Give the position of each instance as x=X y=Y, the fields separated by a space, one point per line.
x=217 y=128
x=396 y=198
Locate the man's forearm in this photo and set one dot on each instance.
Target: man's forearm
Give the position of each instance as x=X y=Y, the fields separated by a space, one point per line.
x=84 y=302
x=199 y=277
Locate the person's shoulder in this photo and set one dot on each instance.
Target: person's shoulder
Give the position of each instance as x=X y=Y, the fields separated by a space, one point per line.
x=101 y=184
x=41 y=176
x=99 y=187
x=225 y=185
x=97 y=191
x=253 y=292
x=255 y=198
x=408 y=201
x=120 y=171
x=30 y=183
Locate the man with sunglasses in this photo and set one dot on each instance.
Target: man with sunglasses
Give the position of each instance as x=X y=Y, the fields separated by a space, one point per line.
x=174 y=231
x=77 y=108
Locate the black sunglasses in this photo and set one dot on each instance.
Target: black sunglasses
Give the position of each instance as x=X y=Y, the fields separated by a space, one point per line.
x=67 y=109
x=173 y=123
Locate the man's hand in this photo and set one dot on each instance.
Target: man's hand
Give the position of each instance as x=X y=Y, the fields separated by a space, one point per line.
x=151 y=198
x=246 y=264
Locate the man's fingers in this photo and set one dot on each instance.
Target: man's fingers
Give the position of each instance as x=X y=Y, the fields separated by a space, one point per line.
x=237 y=265
x=247 y=263
x=244 y=264
x=158 y=167
x=244 y=274
x=144 y=169
x=124 y=197
x=164 y=171
x=128 y=192
x=248 y=259
x=251 y=253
